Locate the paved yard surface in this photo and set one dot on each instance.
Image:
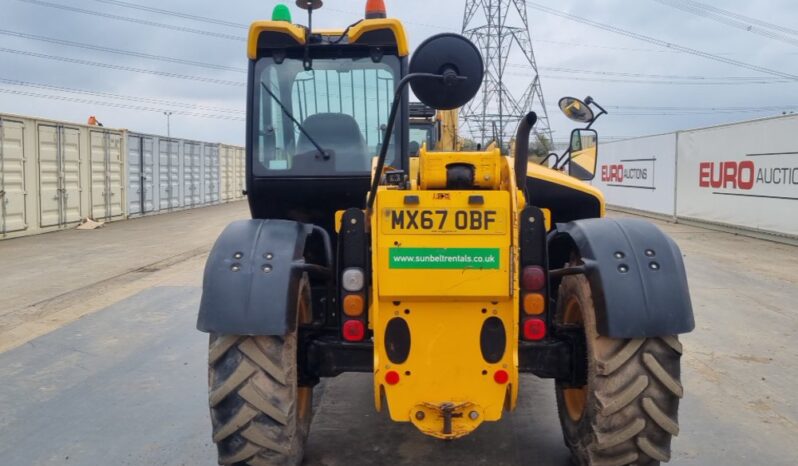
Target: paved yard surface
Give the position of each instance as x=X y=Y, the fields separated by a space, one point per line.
x=101 y=364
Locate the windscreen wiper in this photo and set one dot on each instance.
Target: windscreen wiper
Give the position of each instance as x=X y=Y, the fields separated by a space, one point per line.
x=324 y=154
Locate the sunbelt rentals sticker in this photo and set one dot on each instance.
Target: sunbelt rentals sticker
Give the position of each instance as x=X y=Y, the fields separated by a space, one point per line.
x=444 y=258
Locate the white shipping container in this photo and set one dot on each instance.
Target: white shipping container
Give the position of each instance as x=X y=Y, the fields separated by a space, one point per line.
x=241 y=172
x=639 y=173
x=192 y=173
x=142 y=174
x=61 y=181
x=227 y=172
x=14 y=168
x=53 y=174
x=107 y=174
x=210 y=174
x=169 y=171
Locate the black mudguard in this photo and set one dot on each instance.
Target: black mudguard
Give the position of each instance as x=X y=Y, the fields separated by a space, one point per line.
x=636 y=275
x=252 y=277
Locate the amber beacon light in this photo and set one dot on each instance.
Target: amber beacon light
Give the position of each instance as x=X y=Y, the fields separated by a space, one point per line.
x=375 y=9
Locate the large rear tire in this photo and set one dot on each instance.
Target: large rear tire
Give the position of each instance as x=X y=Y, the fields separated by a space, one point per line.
x=627 y=412
x=260 y=415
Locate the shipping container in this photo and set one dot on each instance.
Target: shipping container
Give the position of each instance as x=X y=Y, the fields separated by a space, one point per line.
x=61 y=181
x=210 y=174
x=142 y=174
x=53 y=174
x=191 y=156
x=14 y=168
x=107 y=174
x=169 y=171
x=227 y=167
x=241 y=172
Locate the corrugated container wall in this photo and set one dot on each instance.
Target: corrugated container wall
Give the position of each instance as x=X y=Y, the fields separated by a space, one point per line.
x=53 y=174
x=171 y=174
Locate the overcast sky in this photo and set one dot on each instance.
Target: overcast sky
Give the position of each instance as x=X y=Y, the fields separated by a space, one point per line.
x=704 y=91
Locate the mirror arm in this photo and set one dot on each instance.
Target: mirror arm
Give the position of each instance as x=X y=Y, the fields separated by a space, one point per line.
x=591 y=101
x=397 y=99
x=546 y=159
x=565 y=157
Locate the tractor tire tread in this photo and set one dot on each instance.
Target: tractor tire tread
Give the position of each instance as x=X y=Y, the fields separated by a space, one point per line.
x=633 y=395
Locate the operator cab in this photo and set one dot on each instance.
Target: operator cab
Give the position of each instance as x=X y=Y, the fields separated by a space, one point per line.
x=319 y=102
x=423 y=128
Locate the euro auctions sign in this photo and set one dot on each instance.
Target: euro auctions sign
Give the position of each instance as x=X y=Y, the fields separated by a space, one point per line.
x=638 y=173
x=763 y=175
x=743 y=175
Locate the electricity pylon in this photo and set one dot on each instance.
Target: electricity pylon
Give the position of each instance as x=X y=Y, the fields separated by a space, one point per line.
x=500 y=29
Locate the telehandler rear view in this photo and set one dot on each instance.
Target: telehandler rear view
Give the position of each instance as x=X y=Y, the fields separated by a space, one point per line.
x=445 y=275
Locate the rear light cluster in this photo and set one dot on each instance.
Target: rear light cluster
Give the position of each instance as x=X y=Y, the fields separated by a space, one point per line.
x=533 y=304
x=353 y=304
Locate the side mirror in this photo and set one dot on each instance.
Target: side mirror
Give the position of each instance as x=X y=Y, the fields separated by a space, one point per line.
x=458 y=60
x=576 y=110
x=584 y=154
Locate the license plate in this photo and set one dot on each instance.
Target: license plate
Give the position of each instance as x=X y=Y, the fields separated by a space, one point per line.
x=462 y=221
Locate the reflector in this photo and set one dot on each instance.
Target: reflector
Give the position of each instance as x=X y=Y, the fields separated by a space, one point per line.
x=501 y=377
x=392 y=377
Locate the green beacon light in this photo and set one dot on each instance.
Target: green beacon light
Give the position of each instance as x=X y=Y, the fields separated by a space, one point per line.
x=281 y=13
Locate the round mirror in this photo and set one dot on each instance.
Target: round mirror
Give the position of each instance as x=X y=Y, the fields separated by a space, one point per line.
x=309 y=4
x=441 y=54
x=576 y=110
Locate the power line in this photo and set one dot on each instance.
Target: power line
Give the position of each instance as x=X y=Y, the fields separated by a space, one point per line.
x=640 y=75
x=223 y=82
x=570 y=77
x=167 y=103
x=745 y=26
x=170 y=27
x=748 y=19
x=742 y=17
x=121 y=52
x=203 y=19
x=119 y=105
x=661 y=43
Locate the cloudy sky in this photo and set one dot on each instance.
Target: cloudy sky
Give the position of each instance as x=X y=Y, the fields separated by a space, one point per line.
x=648 y=87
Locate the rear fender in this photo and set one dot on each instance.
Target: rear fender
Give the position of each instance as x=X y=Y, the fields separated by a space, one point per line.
x=252 y=277
x=636 y=275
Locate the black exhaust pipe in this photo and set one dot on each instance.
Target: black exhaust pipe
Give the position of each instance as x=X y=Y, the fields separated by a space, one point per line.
x=522 y=150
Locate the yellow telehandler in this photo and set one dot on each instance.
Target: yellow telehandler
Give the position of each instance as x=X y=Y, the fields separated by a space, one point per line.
x=445 y=275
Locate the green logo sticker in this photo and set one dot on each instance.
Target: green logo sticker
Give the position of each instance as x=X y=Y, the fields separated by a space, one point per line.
x=444 y=258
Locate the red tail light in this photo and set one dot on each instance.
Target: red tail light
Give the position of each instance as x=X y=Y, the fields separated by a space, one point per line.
x=354 y=330
x=533 y=278
x=534 y=329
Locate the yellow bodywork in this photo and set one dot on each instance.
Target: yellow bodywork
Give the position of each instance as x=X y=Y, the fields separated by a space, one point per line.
x=445 y=378
x=449 y=127
x=445 y=305
x=296 y=33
